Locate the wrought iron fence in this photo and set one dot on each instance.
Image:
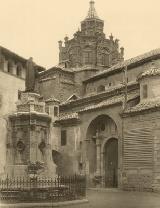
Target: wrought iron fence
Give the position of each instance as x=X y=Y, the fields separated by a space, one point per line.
x=42 y=189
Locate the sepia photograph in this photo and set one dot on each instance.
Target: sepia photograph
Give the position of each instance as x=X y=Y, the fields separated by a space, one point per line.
x=79 y=104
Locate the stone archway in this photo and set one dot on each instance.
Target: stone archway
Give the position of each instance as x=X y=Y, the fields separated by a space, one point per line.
x=100 y=128
x=110 y=160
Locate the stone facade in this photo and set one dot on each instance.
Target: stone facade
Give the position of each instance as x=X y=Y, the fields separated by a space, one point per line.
x=104 y=111
x=93 y=108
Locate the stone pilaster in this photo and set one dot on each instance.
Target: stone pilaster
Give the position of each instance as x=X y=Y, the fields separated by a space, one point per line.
x=98 y=157
x=86 y=160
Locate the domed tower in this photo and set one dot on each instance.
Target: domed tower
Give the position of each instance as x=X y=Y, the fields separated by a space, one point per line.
x=92 y=23
x=89 y=48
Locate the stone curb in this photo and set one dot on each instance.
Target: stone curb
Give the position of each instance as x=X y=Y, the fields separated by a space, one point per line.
x=48 y=205
x=105 y=189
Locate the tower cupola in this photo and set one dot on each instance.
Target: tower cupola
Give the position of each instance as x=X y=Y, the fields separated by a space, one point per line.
x=92 y=11
x=92 y=24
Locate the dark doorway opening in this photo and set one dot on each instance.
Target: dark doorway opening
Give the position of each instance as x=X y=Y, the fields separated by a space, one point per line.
x=111 y=163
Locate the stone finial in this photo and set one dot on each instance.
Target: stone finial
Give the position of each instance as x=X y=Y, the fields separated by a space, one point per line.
x=122 y=51
x=116 y=41
x=60 y=43
x=111 y=37
x=66 y=38
x=30 y=59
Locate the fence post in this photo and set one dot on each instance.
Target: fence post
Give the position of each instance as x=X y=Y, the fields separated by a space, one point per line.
x=7 y=182
x=58 y=189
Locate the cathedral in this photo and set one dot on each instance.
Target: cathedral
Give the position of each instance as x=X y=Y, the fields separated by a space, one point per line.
x=101 y=111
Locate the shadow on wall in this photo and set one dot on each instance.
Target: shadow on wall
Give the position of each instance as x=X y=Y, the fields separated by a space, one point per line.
x=3 y=137
x=63 y=163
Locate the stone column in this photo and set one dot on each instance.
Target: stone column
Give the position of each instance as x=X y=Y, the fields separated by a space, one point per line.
x=86 y=159
x=102 y=167
x=98 y=156
x=33 y=144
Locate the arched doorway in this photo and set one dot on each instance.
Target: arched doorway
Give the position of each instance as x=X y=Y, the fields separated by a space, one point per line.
x=100 y=129
x=111 y=163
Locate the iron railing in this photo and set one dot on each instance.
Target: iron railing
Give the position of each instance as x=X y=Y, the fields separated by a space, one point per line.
x=42 y=189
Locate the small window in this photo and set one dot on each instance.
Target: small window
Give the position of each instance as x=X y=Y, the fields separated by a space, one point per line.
x=10 y=67
x=63 y=137
x=145 y=91
x=101 y=88
x=110 y=84
x=88 y=57
x=80 y=145
x=102 y=127
x=55 y=111
x=2 y=62
x=80 y=166
x=19 y=71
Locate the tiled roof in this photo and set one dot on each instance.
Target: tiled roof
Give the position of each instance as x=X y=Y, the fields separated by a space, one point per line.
x=94 y=94
x=105 y=103
x=108 y=102
x=153 y=71
x=56 y=68
x=138 y=59
x=144 y=105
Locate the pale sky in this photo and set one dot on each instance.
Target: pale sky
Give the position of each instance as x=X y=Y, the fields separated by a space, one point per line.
x=32 y=28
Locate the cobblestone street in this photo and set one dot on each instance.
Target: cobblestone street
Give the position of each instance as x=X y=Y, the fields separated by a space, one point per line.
x=120 y=199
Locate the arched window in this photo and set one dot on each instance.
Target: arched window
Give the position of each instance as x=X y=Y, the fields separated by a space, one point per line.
x=19 y=70
x=105 y=59
x=2 y=61
x=145 y=91
x=88 y=57
x=101 y=88
x=10 y=67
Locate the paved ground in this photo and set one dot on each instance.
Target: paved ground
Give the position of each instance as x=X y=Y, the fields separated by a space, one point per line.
x=113 y=198
x=120 y=199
